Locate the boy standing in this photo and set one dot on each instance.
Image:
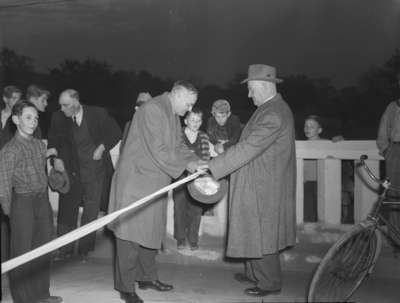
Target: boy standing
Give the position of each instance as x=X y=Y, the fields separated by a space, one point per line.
x=223 y=128
x=24 y=198
x=187 y=211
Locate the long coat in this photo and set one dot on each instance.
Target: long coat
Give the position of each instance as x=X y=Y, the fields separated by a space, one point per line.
x=153 y=154
x=262 y=207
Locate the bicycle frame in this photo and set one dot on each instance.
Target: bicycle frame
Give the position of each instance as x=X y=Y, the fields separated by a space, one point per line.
x=393 y=233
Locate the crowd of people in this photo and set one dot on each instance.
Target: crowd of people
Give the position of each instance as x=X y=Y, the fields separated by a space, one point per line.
x=258 y=160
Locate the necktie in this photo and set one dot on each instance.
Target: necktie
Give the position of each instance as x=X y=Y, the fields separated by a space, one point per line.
x=75 y=121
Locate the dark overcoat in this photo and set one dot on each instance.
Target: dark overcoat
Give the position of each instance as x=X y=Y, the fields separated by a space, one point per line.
x=153 y=154
x=262 y=207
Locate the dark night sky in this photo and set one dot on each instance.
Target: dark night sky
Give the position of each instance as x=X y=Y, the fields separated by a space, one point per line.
x=209 y=40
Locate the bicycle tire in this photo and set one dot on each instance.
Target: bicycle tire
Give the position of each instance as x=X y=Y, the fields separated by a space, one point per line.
x=346 y=264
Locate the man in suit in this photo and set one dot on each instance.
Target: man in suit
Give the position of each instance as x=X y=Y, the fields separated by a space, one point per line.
x=262 y=219
x=82 y=136
x=153 y=155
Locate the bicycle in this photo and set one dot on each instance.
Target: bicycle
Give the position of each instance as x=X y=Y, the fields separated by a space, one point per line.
x=353 y=257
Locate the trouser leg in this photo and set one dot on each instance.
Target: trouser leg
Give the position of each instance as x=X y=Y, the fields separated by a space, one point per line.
x=92 y=191
x=180 y=206
x=267 y=271
x=43 y=233
x=147 y=268
x=68 y=210
x=194 y=211
x=248 y=270
x=393 y=173
x=126 y=256
x=30 y=227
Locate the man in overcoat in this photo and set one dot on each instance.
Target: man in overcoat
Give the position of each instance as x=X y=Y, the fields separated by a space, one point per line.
x=262 y=219
x=153 y=155
x=82 y=136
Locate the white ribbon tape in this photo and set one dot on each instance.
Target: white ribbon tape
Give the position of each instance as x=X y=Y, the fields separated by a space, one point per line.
x=88 y=228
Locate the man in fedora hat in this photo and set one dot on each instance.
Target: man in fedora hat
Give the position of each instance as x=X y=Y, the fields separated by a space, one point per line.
x=262 y=219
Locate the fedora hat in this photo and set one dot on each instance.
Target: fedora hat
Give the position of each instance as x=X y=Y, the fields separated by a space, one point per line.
x=59 y=181
x=207 y=190
x=262 y=72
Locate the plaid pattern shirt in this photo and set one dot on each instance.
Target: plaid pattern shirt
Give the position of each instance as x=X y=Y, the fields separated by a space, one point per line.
x=201 y=146
x=22 y=168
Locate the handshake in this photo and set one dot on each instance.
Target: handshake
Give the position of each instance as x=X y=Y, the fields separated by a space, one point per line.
x=194 y=166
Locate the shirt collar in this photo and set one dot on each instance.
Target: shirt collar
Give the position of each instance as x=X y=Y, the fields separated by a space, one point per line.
x=78 y=116
x=269 y=98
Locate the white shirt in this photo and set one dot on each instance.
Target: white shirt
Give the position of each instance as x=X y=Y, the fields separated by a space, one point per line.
x=78 y=116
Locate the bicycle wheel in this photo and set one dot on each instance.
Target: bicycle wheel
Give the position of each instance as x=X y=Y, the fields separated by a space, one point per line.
x=346 y=264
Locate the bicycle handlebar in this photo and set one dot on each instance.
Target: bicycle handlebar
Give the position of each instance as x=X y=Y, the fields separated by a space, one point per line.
x=385 y=182
x=369 y=172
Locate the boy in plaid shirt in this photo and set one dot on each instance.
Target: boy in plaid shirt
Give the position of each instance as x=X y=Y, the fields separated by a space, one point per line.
x=187 y=211
x=24 y=198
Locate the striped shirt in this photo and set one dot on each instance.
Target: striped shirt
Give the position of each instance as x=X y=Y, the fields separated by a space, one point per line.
x=22 y=168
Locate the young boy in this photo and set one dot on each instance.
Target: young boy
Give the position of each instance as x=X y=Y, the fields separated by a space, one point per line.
x=24 y=198
x=187 y=211
x=223 y=128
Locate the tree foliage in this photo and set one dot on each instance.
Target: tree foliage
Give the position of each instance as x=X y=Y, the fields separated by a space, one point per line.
x=353 y=112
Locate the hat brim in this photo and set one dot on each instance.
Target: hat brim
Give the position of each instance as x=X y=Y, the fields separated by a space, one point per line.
x=274 y=80
x=208 y=199
x=56 y=186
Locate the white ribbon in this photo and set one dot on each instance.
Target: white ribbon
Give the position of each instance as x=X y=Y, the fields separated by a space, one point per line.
x=88 y=228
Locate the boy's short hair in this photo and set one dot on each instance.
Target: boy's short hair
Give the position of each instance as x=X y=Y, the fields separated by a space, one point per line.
x=196 y=111
x=315 y=118
x=185 y=84
x=18 y=107
x=9 y=90
x=220 y=106
x=36 y=92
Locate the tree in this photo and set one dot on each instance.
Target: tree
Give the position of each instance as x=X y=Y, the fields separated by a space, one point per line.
x=16 y=69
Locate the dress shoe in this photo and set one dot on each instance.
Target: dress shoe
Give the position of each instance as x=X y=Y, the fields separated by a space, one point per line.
x=131 y=297
x=50 y=299
x=156 y=285
x=242 y=278
x=258 y=292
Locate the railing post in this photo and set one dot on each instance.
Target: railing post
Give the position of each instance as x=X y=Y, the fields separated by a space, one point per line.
x=365 y=189
x=300 y=190
x=329 y=190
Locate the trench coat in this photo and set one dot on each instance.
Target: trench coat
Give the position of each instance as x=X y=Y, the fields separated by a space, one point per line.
x=262 y=207
x=153 y=155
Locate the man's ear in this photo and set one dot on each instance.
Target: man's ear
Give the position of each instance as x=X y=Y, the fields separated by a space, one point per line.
x=319 y=130
x=229 y=114
x=15 y=119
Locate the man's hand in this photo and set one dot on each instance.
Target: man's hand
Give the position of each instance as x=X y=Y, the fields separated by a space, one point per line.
x=98 y=153
x=219 y=147
x=194 y=166
x=59 y=164
x=51 y=152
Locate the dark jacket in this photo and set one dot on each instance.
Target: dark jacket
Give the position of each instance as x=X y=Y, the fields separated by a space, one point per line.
x=230 y=131
x=103 y=130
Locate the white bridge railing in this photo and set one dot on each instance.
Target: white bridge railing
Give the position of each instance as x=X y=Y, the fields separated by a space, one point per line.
x=329 y=156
